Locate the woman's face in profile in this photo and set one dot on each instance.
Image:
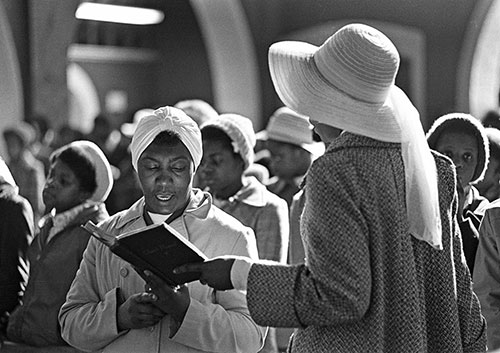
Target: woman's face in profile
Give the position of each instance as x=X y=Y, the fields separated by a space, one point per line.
x=463 y=151
x=62 y=189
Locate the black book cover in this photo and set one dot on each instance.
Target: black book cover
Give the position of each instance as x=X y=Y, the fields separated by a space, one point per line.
x=158 y=248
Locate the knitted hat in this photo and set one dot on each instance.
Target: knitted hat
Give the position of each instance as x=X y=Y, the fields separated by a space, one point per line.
x=286 y=125
x=103 y=172
x=470 y=125
x=240 y=131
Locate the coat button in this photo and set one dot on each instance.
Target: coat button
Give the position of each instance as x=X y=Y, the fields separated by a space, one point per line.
x=124 y=272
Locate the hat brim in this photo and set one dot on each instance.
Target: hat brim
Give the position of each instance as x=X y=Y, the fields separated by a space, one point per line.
x=315 y=148
x=261 y=135
x=302 y=88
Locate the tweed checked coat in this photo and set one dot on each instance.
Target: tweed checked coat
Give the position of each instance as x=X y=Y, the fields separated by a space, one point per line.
x=368 y=285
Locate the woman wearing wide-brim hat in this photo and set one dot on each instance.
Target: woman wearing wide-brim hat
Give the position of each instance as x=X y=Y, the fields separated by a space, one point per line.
x=384 y=269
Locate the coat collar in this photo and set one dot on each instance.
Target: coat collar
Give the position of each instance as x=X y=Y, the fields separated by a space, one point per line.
x=198 y=207
x=348 y=140
x=252 y=193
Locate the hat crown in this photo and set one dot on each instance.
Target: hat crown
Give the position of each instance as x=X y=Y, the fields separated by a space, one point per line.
x=285 y=125
x=167 y=118
x=359 y=61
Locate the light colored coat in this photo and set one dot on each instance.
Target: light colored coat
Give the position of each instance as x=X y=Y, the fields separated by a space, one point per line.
x=369 y=286
x=214 y=322
x=264 y=212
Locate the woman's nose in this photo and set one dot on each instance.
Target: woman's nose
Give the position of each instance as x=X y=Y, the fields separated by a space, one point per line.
x=457 y=162
x=164 y=178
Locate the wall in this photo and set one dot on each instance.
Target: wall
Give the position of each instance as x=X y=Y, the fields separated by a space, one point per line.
x=17 y=15
x=184 y=70
x=11 y=94
x=443 y=22
x=132 y=71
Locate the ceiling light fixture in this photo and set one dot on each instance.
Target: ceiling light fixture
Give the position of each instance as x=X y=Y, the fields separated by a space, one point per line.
x=118 y=14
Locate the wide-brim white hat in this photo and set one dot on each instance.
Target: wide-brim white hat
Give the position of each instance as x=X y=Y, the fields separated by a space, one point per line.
x=347 y=82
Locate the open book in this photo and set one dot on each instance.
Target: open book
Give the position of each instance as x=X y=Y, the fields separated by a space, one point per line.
x=158 y=248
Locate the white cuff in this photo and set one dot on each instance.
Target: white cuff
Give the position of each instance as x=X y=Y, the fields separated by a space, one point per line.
x=239 y=273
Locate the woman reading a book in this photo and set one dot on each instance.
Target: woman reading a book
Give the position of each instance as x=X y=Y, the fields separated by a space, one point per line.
x=111 y=307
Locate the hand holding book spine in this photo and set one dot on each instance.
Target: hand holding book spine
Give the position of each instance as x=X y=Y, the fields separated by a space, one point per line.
x=157 y=248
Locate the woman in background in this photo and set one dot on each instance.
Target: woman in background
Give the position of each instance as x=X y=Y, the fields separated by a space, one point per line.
x=462 y=138
x=78 y=182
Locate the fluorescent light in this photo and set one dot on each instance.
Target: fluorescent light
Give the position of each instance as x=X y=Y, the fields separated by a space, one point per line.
x=119 y=14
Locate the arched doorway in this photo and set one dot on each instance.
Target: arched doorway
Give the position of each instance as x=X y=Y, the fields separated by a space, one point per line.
x=83 y=102
x=478 y=77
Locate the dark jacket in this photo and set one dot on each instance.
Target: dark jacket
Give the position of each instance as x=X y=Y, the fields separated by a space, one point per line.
x=16 y=233
x=369 y=285
x=52 y=269
x=469 y=226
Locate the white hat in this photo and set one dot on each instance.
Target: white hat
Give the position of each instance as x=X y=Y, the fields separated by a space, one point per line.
x=103 y=172
x=348 y=83
x=240 y=130
x=286 y=125
x=167 y=119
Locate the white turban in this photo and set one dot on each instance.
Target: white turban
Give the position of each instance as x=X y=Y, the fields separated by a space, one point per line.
x=167 y=119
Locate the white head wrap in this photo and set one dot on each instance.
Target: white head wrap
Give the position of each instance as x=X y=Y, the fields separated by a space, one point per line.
x=167 y=119
x=422 y=194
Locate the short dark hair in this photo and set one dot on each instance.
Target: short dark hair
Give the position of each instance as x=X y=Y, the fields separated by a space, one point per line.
x=80 y=162
x=212 y=133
